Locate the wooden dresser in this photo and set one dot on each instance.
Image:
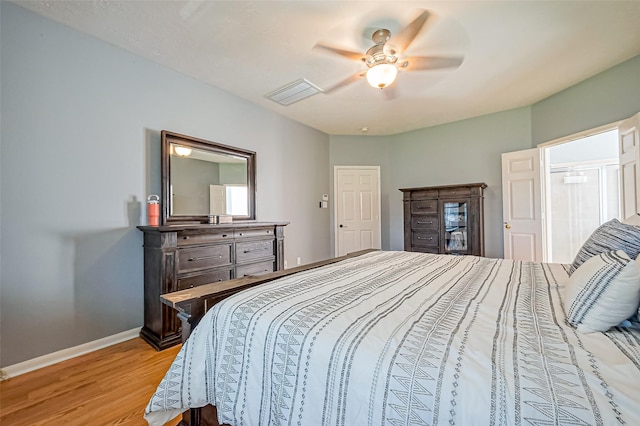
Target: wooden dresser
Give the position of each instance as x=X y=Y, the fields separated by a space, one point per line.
x=178 y=257
x=444 y=219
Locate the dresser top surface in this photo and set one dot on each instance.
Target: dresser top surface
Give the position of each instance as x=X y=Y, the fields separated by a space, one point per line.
x=206 y=226
x=460 y=185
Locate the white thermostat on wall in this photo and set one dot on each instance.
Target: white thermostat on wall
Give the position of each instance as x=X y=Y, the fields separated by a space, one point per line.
x=325 y=197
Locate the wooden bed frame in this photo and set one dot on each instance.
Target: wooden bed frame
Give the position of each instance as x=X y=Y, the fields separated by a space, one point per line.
x=192 y=304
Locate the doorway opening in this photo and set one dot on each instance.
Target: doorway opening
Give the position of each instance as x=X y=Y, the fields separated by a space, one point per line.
x=582 y=191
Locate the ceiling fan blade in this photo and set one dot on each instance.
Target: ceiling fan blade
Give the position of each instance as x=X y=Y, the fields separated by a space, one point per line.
x=358 y=56
x=405 y=36
x=344 y=82
x=417 y=63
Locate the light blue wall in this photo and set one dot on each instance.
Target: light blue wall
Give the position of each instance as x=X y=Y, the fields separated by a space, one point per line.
x=364 y=151
x=80 y=151
x=462 y=152
x=603 y=99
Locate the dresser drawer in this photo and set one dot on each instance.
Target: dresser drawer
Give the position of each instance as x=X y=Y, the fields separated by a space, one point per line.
x=255 y=269
x=423 y=207
x=424 y=239
x=251 y=250
x=204 y=278
x=424 y=222
x=426 y=194
x=454 y=193
x=196 y=258
x=425 y=249
x=249 y=233
x=186 y=238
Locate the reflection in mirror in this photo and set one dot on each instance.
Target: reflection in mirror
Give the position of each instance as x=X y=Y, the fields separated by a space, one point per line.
x=202 y=178
x=205 y=183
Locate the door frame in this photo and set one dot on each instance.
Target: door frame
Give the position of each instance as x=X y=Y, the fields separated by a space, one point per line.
x=335 y=202
x=546 y=183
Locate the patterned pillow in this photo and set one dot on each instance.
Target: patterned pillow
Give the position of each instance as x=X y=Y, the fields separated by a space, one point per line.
x=602 y=292
x=612 y=235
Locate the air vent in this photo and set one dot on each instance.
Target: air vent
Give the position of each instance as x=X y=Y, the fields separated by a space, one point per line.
x=293 y=92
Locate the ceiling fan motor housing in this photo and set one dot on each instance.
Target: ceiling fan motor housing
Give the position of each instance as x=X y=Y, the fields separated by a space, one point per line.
x=383 y=59
x=382 y=52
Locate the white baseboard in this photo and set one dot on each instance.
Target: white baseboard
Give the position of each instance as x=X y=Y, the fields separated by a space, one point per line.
x=65 y=354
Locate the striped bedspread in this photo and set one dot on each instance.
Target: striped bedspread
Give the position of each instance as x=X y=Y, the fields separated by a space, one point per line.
x=398 y=338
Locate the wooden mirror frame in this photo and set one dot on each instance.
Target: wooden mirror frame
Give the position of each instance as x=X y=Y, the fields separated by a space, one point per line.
x=202 y=144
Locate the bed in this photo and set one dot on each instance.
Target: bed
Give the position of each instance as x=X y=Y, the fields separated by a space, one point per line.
x=400 y=338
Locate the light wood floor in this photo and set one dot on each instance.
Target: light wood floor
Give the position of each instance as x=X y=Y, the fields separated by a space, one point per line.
x=111 y=386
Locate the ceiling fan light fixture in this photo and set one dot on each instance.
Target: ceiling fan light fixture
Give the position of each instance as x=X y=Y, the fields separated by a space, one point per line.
x=381 y=75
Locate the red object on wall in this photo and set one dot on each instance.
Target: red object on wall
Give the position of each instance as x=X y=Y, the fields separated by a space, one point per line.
x=153 y=210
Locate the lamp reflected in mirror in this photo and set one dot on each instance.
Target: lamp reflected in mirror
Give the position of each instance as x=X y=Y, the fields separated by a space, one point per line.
x=182 y=151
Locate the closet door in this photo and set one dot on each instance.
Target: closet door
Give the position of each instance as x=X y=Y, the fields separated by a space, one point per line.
x=357 y=213
x=522 y=208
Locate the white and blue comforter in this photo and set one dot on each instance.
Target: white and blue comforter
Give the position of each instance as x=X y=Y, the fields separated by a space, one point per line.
x=398 y=338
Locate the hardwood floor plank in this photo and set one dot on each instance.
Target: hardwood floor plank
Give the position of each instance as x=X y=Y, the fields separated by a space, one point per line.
x=111 y=386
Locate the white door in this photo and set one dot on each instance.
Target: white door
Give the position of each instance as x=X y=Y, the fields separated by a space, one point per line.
x=522 y=208
x=217 y=199
x=357 y=208
x=629 y=138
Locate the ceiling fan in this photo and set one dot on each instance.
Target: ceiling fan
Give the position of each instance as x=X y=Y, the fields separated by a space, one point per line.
x=385 y=57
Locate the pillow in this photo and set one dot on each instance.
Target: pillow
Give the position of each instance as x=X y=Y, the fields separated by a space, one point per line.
x=609 y=236
x=602 y=292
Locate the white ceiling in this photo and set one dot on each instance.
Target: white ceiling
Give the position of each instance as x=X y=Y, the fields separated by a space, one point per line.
x=515 y=52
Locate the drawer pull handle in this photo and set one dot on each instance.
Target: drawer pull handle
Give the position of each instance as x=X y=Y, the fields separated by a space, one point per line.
x=247 y=251
x=268 y=232
x=185 y=238
x=429 y=239
x=423 y=207
x=241 y=234
x=425 y=223
x=193 y=259
x=224 y=235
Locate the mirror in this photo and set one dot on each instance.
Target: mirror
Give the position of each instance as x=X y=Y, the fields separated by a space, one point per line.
x=202 y=178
